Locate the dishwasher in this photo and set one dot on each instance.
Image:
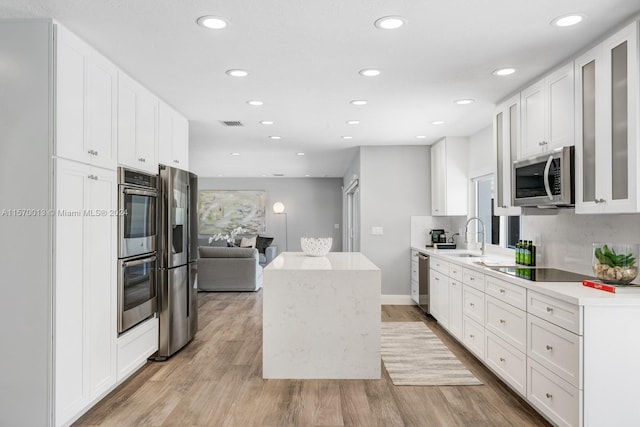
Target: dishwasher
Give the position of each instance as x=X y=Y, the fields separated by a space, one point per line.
x=423 y=282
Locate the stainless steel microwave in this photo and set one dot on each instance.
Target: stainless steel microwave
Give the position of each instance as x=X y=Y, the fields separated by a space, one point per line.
x=546 y=179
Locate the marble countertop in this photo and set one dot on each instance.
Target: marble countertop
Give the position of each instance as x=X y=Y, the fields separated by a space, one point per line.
x=296 y=261
x=572 y=292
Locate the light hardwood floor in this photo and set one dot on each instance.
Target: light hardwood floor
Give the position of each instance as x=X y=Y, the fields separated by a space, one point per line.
x=216 y=380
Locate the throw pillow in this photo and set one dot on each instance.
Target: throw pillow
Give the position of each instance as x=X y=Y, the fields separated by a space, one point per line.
x=248 y=242
x=263 y=242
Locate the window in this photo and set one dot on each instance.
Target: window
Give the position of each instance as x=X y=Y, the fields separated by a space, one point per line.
x=499 y=230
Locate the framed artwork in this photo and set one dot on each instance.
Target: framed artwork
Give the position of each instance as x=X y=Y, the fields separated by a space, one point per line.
x=220 y=211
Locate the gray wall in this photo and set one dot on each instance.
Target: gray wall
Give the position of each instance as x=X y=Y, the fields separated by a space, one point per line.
x=394 y=185
x=313 y=206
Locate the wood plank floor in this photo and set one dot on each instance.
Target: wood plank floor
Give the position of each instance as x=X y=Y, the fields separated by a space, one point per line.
x=216 y=380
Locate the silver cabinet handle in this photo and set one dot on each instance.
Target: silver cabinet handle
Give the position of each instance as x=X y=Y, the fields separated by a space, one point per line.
x=472 y=336
x=93 y=177
x=549 y=347
x=176 y=161
x=472 y=278
x=142 y=159
x=549 y=310
x=502 y=359
x=502 y=291
x=472 y=304
x=503 y=321
x=599 y=200
x=549 y=395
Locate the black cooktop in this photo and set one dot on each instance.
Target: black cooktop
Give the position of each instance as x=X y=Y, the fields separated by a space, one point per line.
x=542 y=274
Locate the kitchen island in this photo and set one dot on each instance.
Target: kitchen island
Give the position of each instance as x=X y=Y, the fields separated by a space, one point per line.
x=321 y=317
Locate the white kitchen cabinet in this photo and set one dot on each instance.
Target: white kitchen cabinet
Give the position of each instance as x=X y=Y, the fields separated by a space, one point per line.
x=86 y=91
x=455 y=308
x=173 y=138
x=506 y=135
x=607 y=131
x=137 y=125
x=439 y=297
x=85 y=292
x=547 y=113
x=449 y=176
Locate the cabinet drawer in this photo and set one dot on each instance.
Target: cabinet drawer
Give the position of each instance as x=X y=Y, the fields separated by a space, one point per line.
x=507 y=322
x=473 y=304
x=507 y=292
x=507 y=361
x=414 y=291
x=556 y=349
x=473 y=336
x=440 y=265
x=563 y=314
x=473 y=278
x=557 y=399
x=455 y=272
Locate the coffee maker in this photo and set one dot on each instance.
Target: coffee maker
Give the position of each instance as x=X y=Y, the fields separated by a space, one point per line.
x=437 y=236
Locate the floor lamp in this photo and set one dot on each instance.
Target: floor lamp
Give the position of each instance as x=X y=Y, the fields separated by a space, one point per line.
x=278 y=208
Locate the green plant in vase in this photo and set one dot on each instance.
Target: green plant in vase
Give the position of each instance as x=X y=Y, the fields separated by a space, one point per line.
x=612 y=267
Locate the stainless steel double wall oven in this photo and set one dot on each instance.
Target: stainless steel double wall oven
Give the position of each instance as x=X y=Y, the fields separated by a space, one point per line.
x=137 y=246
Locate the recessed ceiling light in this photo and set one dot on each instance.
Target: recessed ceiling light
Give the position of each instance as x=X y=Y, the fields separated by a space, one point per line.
x=235 y=154
x=437 y=122
x=353 y=122
x=220 y=174
x=238 y=73
x=390 y=22
x=347 y=137
x=275 y=137
x=421 y=136
x=307 y=175
x=369 y=72
x=504 y=71
x=464 y=101
x=358 y=102
x=266 y=122
x=300 y=154
x=255 y=103
x=567 y=21
x=213 y=22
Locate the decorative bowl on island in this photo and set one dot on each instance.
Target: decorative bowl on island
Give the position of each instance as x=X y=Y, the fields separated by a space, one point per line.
x=316 y=246
x=615 y=263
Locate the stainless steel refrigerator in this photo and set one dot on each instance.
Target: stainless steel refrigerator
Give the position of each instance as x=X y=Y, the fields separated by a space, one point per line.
x=177 y=254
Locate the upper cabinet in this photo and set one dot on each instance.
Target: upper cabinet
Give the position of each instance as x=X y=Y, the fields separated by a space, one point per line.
x=137 y=125
x=173 y=138
x=607 y=138
x=506 y=132
x=449 y=175
x=547 y=110
x=86 y=90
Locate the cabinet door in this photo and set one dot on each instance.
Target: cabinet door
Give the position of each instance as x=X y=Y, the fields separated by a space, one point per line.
x=435 y=289
x=71 y=386
x=137 y=120
x=100 y=280
x=438 y=178
x=533 y=120
x=455 y=308
x=71 y=66
x=606 y=126
x=173 y=138
x=560 y=108
x=102 y=86
x=181 y=143
x=505 y=142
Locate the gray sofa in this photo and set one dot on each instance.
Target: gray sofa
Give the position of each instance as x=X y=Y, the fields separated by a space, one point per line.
x=228 y=269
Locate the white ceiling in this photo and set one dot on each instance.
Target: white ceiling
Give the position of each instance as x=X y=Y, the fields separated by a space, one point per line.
x=304 y=56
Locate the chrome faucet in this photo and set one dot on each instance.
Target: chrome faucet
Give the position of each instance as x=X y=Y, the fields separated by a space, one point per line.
x=466 y=232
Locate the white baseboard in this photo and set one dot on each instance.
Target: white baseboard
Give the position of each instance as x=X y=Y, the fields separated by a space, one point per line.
x=396 y=300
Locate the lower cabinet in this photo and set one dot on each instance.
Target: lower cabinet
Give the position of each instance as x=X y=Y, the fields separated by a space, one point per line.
x=507 y=362
x=135 y=346
x=415 y=277
x=455 y=308
x=439 y=297
x=85 y=291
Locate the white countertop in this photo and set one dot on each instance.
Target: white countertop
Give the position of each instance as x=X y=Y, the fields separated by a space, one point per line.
x=333 y=261
x=572 y=292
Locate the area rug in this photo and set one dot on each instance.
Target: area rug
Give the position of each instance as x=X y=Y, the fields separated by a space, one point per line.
x=414 y=355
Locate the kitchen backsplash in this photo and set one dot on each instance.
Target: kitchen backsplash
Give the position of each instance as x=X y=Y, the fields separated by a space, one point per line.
x=565 y=239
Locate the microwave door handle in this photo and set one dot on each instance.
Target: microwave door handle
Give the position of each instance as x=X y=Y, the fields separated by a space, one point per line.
x=547 y=187
x=138 y=261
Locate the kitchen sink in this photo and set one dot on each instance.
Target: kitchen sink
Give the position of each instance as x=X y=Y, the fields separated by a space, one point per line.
x=467 y=255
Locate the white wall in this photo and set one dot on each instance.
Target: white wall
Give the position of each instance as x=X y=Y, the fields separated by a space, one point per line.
x=394 y=185
x=313 y=206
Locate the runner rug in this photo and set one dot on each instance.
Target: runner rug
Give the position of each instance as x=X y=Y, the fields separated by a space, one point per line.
x=414 y=355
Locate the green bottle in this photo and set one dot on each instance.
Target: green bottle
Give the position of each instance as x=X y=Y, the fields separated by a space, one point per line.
x=519 y=252
x=527 y=252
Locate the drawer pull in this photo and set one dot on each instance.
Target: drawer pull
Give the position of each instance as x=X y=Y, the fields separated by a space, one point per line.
x=549 y=310
x=142 y=159
x=549 y=395
x=502 y=291
x=472 y=278
x=502 y=359
x=454 y=271
x=549 y=347
x=503 y=321
x=472 y=304
x=472 y=336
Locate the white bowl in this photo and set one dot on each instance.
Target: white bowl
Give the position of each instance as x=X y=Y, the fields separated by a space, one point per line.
x=316 y=246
